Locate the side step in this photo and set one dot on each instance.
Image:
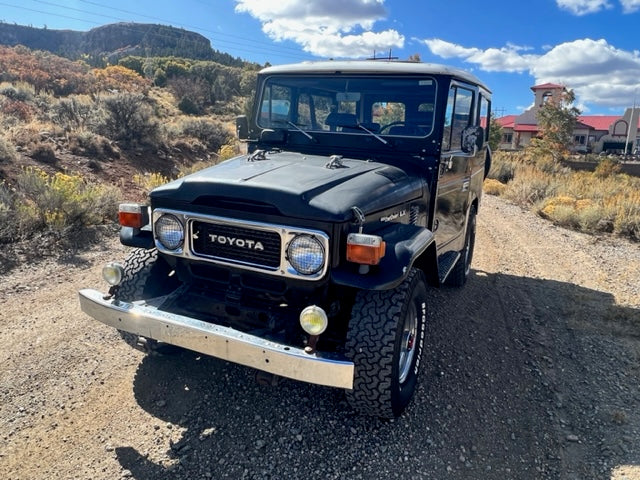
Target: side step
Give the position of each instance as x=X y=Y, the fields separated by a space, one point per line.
x=446 y=262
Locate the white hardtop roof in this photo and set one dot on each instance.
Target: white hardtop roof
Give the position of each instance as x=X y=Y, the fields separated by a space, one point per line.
x=374 y=67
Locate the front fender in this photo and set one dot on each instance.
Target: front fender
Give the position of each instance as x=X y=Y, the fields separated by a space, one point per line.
x=405 y=244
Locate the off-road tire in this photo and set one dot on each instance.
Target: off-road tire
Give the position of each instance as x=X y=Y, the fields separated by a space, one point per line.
x=460 y=273
x=376 y=340
x=146 y=275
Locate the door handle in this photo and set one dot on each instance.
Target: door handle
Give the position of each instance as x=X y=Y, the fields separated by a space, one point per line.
x=465 y=185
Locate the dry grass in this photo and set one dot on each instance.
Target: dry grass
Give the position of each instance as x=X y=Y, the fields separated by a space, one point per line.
x=494 y=187
x=602 y=201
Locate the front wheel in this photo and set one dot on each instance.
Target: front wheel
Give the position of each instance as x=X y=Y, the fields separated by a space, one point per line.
x=385 y=340
x=146 y=275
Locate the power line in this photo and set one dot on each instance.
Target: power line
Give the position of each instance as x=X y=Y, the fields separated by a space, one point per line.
x=258 y=48
x=190 y=27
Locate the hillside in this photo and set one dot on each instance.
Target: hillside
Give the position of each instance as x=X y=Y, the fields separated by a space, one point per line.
x=109 y=43
x=76 y=140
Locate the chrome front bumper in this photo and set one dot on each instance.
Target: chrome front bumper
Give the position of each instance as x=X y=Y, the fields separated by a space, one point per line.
x=144 y=319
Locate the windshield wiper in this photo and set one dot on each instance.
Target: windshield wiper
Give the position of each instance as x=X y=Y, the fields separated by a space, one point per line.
x=301 y=131
x=359 y=125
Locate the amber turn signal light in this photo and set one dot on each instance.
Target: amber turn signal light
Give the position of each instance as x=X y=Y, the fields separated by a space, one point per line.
x=133 y=215
x=365 y=249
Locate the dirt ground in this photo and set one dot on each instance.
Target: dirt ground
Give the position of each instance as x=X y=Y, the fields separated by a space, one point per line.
x=532 y=372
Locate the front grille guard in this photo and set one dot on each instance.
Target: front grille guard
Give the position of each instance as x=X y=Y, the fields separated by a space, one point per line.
x=285 y=233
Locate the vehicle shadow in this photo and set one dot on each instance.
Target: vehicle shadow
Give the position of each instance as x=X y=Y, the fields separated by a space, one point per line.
x=523 y=378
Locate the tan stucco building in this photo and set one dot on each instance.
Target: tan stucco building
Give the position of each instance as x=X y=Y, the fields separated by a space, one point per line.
x=592 y=133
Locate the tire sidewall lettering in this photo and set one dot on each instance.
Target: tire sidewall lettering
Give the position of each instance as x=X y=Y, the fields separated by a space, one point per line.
x=420 y=346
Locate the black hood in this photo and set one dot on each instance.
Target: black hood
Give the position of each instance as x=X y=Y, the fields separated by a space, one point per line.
x=295 y=185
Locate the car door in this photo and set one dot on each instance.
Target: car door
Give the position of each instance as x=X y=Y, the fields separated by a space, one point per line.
x=454 y=172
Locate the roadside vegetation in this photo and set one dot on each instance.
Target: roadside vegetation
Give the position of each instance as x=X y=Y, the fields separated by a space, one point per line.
x=76 y=140
x=67 y=131
x=603 y=201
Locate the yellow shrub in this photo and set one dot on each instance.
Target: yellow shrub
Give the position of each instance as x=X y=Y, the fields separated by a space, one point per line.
x=494 y=187
x=60 y=201
x=149 y=181
x=226 y=152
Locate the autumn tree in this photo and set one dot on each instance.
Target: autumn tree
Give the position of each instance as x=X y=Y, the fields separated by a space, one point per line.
x=557 y=118
x=119 y=78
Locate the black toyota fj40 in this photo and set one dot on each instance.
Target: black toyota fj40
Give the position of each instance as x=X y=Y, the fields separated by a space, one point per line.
x=308 y=257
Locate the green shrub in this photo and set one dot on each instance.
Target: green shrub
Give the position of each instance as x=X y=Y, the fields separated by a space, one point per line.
x=43 y=152
x=594 y=219
x=8 y=225
x=91 y=144
x=503 y=167
x=129 y=119
x=7 y=150
x=213 y=134
x=74 y=112
x=22 y=92
x=188 y=106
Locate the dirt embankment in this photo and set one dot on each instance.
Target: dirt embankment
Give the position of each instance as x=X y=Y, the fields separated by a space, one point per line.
x=532 y=372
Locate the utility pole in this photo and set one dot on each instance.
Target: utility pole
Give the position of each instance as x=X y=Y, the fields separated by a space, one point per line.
x=633 y=121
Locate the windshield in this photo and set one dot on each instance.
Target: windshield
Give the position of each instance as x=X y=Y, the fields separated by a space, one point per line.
x=352 y=105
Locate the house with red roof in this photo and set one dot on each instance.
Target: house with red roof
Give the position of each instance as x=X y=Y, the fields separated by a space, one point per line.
x=592 y=133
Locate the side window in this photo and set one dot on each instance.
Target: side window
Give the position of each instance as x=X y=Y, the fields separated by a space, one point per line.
x=446 y=137
x=457 y=117
x=275 y=106
x=485 y=116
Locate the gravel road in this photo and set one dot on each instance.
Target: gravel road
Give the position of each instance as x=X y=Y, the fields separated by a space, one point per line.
x=532 y=371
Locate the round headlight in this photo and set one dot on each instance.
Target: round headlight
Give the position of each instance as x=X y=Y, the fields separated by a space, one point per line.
x=313 y=320
x=306 y=254
x=169 y=232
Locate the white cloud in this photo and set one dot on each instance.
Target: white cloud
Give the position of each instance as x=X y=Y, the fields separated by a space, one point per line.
x=505 y=59
x=598 y=72
x=583 y=7
x=327 y=28
x=630 y=6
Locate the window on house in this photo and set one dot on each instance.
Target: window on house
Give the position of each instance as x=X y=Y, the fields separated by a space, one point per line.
x=579 y=139
x=507 y=137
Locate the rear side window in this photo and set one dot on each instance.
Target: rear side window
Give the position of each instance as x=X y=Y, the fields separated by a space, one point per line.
x=457 y=117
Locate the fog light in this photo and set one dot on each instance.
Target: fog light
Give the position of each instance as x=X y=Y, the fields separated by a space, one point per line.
x=112 y=273
x=313 y=320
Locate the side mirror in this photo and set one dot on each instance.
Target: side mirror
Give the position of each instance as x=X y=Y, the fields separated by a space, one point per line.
x=242 y=127
x=472 y=138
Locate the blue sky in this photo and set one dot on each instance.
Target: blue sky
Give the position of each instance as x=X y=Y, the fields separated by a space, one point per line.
x=587 y=45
